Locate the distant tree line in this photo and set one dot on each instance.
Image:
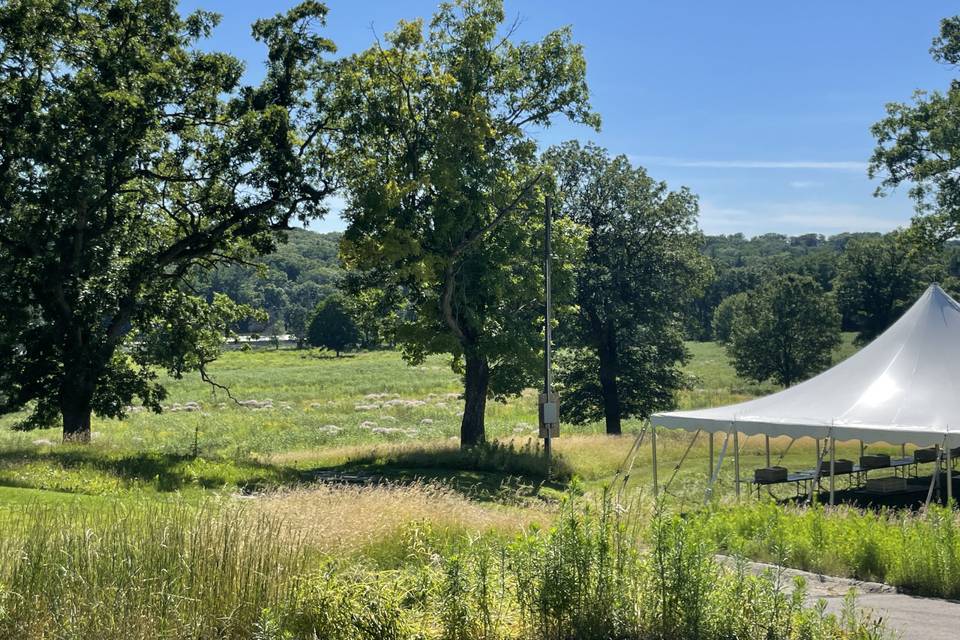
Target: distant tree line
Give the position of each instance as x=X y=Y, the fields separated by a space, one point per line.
x=873 y=275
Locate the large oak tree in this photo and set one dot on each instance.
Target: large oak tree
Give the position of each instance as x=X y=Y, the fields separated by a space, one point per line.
x=444 y=185
x=642 y=267
x=128 y=158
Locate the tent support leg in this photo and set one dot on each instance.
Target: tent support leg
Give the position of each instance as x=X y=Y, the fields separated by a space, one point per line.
x=833 y=460
x=814 y=485
x=653 y=444
x=949 y=477
x=736 y=462
x=713 y=477
x=936 y=471
x=930 y=491
x=936 y=474
x=710 y=466
x=766 y=443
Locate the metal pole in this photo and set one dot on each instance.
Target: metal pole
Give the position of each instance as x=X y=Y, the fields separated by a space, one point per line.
x=949 y=476
x=736 y=462
x=766 y=442
x=548 y=330
x=710 y=467
x=713 y=478
x=815 y=483
x=833 y=460
x=936 y=471
x=653 y=441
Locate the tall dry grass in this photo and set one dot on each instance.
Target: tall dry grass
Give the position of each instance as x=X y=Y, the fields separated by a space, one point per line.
x=373 y=518
x=143 y=571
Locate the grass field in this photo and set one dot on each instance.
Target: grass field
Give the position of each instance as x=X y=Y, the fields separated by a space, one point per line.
x=307 y=413
x=137 y=524
x=313 y=412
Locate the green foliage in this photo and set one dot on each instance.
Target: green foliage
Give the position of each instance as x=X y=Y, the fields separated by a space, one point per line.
x=445 y=192
x=784 y=331
x=916 y=145
x=222 y=571
x=332 y=326
x=917 y=552
x=130 y=158
x=741 y=264
x=287 y=284
x=724 y=314
x=641 y=268
x=880 y=278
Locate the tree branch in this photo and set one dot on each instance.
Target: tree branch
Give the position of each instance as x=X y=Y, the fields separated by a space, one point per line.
x=450 y=272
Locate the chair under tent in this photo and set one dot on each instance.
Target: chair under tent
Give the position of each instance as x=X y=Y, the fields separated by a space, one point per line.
x=902 y=388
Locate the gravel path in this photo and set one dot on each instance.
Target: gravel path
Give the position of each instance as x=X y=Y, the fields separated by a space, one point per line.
x=911 y=617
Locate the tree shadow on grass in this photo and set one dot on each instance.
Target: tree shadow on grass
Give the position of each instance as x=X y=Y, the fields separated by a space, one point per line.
x=489 y=472
x=492 y=472
x=164 y=472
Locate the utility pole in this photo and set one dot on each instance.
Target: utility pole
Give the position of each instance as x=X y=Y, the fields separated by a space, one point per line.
x=549 y=405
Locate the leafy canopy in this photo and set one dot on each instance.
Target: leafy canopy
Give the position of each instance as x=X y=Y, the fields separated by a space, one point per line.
x=332 y=327
x=444 y=184
x=129 y=158
x=784 y=331
x=642 y=266
x=724 y=315
x=917 y=144
x=878 y=278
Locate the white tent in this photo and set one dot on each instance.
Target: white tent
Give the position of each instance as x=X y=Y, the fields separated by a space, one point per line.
x=904 y=387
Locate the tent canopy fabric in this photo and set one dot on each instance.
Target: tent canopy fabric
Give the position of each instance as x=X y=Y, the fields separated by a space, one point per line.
x=904 y=387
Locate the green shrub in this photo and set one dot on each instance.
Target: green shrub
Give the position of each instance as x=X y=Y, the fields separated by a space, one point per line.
x=919 y=553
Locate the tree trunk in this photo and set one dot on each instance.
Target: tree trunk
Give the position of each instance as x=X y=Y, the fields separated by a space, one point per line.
x=608 y=384
x=76 y=400
x=476 y=382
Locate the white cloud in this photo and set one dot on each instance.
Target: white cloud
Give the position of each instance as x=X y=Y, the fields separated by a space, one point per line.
x=804 y=184
x=668 y=161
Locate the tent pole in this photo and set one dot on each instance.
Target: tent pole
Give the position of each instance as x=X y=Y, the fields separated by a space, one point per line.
x=713 y=478
x=653 y=442
x=936 y=470
x=949 y=477
x=710 y=467
x=936 y=474
x=816 y=472
x=833 y=460
x=736 y=462
x=766 y=442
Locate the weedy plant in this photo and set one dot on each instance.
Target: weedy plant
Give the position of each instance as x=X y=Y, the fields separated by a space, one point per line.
x=919 y=552
x=224 y=571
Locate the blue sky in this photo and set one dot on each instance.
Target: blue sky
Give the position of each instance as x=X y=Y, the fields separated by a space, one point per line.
x=762 y=108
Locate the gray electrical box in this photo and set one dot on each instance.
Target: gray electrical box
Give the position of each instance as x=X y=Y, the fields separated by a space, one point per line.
x=549 y=415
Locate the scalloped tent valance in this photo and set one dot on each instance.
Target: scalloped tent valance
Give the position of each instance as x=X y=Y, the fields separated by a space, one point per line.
x=904 y=387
